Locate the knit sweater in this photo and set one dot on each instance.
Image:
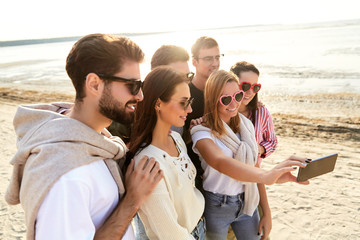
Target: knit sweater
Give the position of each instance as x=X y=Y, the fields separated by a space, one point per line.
x=50 y=145
x=175 y=206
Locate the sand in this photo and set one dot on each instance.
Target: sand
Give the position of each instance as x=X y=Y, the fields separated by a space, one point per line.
x=311 y=126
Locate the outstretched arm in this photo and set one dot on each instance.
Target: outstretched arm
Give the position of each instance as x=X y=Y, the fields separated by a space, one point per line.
x=140 y=181
x=246 y=173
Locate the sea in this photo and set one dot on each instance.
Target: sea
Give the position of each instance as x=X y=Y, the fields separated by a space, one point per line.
x=294 y=59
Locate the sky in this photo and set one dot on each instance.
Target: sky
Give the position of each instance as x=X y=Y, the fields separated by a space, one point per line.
x=33 y=19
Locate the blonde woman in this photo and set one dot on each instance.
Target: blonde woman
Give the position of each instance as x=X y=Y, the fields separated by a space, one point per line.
x=228 y=151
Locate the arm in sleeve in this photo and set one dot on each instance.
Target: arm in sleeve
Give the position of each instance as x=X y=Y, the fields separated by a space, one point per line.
x=269 y=141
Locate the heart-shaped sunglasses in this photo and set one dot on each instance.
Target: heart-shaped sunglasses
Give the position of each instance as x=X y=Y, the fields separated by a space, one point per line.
x=246 y=86
x=227 y=99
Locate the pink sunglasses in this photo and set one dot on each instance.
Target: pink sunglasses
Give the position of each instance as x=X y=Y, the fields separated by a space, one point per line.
x=227 y=99
x=246 y=86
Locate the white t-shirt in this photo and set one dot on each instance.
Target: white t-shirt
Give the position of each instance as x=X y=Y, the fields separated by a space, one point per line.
x=78 y=203
x=213 y=180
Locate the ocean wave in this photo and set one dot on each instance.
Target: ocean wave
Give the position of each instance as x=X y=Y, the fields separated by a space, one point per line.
x=25 y=62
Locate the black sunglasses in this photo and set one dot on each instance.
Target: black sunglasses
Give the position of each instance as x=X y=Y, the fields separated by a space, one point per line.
x=134 y=85
x=190 y=76
x=187 y=103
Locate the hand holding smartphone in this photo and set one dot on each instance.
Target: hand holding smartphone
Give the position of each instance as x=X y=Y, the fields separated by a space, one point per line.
x=317 y=167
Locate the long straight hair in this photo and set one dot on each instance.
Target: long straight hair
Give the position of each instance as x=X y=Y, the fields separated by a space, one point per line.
x=237 y=69
x=214 y=87
x=160 y=83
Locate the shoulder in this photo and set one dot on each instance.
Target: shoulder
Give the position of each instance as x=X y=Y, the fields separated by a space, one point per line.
x=88 y=171
x=150 y=152
x=198 y=133
x=262 y=111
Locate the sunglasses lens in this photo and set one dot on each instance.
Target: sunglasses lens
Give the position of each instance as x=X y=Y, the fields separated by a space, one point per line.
x=256 y=88
x=190 y=76
x=226 y=100
x=239 y=96
x=245 y=86
x=134 y=87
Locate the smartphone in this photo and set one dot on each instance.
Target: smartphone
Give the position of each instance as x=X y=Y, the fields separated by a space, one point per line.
x=317 y=167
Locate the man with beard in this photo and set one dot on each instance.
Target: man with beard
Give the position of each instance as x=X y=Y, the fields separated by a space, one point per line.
x=66 y=170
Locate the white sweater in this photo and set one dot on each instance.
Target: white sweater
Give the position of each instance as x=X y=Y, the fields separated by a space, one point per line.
x=174 y=208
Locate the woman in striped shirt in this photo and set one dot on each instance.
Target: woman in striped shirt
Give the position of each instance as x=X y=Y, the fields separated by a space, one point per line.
x=264 y=128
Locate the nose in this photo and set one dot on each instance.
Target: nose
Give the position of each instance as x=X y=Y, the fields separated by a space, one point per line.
x=234 y=103
x=139 y=96
x=216 y=62
x=189 y=109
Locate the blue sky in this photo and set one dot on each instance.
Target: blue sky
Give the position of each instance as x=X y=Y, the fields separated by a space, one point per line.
x=26 y=19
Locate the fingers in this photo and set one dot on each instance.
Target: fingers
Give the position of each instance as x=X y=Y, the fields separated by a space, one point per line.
x=304 y=183
x=155 y=172
x=151 y=168
x=299 y=159
x=260 y=227
x=195 y=122
x=142 y=163
x=294 y=161
x=130 y=168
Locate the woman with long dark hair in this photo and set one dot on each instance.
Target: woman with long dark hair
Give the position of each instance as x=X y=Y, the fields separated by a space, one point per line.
x=260 y=116
x=174 y=209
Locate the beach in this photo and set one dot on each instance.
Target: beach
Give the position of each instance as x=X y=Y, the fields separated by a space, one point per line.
x=306 y=125
x=310 y=83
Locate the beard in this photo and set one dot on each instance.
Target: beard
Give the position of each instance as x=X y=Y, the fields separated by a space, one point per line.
x=113 y=109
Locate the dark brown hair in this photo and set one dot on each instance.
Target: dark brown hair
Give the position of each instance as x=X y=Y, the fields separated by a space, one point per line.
x=160 y=83
x=99 y=53
x=167 y=54
x=243 y=66
x=202 y=42
x=214 y=87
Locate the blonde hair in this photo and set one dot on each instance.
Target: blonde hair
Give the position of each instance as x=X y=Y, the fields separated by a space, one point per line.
x=214 y=88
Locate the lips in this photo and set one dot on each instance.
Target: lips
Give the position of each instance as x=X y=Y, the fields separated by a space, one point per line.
x=231 y=110
x=132 y=106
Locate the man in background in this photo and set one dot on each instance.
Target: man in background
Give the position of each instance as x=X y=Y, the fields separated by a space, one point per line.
x=177 y=58
x=206 y=60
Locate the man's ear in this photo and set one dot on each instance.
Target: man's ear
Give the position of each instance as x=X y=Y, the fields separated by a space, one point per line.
x=93 y=84
x=194 y=62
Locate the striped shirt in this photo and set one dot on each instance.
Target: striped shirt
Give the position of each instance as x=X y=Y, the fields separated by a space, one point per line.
x=264 y=131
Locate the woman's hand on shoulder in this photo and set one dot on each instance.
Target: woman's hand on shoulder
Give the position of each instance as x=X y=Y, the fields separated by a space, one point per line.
x=195 y=122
